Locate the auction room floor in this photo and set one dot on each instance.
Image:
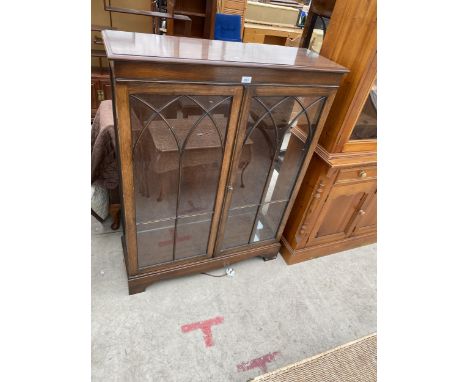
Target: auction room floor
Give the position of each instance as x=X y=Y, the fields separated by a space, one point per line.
x=267 y=316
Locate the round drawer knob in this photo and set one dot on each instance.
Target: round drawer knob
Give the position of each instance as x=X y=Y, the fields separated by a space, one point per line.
x=230 y=188
x=362 y=174
x=362 y=212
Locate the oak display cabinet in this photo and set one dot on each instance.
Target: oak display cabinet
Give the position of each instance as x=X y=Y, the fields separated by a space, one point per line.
x=214 y=139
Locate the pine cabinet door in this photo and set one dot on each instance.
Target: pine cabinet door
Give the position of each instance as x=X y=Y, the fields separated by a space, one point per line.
x=341 y=211
x=366 y=216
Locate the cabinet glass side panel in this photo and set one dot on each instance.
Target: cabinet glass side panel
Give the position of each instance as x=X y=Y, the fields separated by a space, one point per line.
x=366 y=126
x=278 y=135
x=178 y=145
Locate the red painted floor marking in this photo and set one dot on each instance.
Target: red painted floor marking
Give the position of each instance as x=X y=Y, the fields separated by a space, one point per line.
x=258 y=362
x=205 y=327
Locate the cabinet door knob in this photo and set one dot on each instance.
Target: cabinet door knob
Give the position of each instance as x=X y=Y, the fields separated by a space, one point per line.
x=230 y=188
x=362 y=174
x=362 y=212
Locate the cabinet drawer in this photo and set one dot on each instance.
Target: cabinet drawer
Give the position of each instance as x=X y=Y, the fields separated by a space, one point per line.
x=356 y=174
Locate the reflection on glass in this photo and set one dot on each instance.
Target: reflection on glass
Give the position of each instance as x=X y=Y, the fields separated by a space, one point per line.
x=239 y=226
x=155 y=237
x=366 y=126
x=192 y=236
x=278 y=135
x=178 y=145
x=268 y=221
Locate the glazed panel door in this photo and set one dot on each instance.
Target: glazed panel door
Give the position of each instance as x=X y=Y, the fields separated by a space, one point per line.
x=277 y=129
x=176 y=144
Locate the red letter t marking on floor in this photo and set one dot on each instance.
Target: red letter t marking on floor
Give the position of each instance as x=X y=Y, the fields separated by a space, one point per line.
x=205 y=327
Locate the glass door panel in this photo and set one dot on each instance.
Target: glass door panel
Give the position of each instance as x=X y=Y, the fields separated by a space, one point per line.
x=192 y=235
x=178 y=148
x=155 y=237
x=268 y=220
x=239 y=226
x=277 y=137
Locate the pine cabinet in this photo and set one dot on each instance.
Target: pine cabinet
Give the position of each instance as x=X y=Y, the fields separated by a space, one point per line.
x=214 y=138
x=337 y=206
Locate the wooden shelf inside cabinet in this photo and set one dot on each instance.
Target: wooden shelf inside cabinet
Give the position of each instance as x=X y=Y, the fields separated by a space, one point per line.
x=100 y=72
x=202 y=13
x=189 y=13
x=170 y=16
x=148 y=13
x=199 y=190
x=98 y=53
x=100 y=28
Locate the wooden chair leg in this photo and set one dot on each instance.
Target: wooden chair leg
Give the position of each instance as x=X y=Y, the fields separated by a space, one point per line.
x=308 y=30
x=114 y=212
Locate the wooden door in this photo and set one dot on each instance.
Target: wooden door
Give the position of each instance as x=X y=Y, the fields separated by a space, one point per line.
x=175 y=147
x=340 y=212
x=366 y=216
x=276 y=138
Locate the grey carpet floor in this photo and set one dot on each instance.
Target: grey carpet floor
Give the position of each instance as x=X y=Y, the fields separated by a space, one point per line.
x=267 y=316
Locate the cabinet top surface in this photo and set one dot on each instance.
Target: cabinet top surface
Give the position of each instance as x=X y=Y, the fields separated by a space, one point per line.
x=131 y=46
